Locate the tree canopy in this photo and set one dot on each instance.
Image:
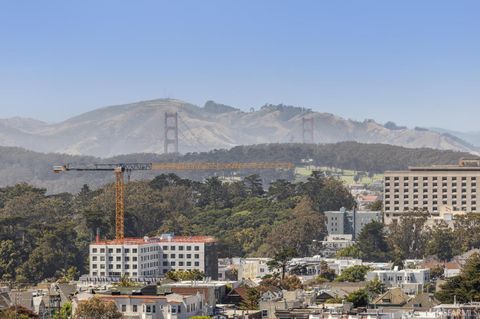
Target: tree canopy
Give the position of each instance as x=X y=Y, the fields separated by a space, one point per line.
x=353 y=273
x=95 y=308
x=372 y=243
x=466 y=286
x=45 y=236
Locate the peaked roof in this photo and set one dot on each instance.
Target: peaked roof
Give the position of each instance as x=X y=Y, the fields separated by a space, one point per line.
x=394 y=296
x=241 y=292
x=422 y=301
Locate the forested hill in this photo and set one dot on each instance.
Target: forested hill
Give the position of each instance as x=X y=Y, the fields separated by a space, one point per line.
x=19 y=165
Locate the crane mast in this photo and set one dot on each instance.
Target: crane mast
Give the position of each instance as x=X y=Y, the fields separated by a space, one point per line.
x=119 y=204
x=119 y=170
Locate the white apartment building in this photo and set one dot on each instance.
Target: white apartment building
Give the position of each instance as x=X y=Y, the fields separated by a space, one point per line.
x=153 y=256
x=430 y=188
x=253 y=268
x=410 y=280
x=172 y=306
x=337 y=242
x=313 y=264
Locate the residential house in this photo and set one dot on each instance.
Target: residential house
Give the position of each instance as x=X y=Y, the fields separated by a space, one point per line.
x=422 y=302
x=333 y=243
x=146 y=303
x=364 y=200
x=452 y=269
x=393 y=297
x=411 y=281
x=213 y=291
x=253 y=268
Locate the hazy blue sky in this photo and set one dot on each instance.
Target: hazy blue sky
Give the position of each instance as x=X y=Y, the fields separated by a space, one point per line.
x=415 y=62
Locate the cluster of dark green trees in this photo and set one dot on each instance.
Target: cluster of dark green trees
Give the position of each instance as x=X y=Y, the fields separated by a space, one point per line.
x=413 y=238
x=465 y=287
x=47 y=236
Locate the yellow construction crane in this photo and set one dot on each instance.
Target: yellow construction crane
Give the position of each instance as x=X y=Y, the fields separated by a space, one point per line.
x=120 y=169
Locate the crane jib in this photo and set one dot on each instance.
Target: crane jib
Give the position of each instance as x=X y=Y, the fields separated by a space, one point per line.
x=111 y=167
x=126 y=166
x=181 y=166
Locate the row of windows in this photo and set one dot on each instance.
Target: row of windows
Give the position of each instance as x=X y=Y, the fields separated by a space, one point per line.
x=174 y=309
x=145 y=308
x=181 y=256
x=400 y=278
x=434 y=178
x=165 y=247
x=434 y=208
x=433 y=184
x=415 y=202
x=434 y=190
x=118 y=266
x=180 y=263
x=145 y=249
x=117 y=250
x=145 y=258
x=197 y=248
x=453 y=196
x=148 y=265
x=110 y=258
x=149 y=257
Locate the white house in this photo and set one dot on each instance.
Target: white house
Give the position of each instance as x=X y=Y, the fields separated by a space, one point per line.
x=410 y=280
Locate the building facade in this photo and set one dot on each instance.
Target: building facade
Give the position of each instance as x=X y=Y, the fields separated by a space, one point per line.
x=430 y=188
x=253 y=268
x=345 y=222
x=337 y=242
x=213 y=291
x=153 y=256
x=138 y=305
x=411 y=281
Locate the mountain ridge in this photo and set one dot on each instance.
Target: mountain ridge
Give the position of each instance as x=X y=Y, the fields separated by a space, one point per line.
x=472 y=137
x=138 y=128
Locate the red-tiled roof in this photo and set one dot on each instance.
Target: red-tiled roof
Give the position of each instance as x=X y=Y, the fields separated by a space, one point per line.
x=151 y=240
x=453 y=265
x=368 y=198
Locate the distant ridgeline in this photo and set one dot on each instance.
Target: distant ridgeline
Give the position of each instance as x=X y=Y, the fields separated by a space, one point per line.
x=19 y=165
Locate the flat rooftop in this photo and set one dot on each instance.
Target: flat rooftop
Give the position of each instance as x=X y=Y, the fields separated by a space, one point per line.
x=464 y=164
x=196 y=284
x=157 y=239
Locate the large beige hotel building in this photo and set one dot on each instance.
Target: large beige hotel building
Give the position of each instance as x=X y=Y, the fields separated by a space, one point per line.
x=431 y=189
